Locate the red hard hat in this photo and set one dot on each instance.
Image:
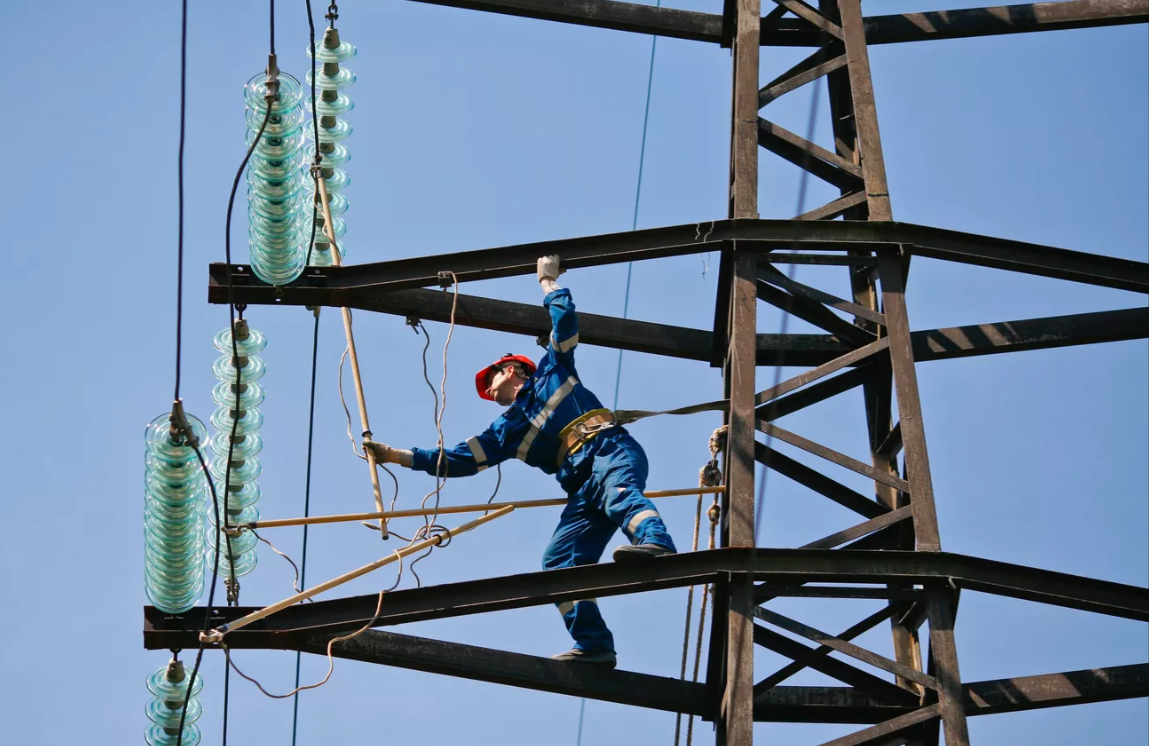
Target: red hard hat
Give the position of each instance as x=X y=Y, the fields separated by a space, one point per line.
x=484 y=374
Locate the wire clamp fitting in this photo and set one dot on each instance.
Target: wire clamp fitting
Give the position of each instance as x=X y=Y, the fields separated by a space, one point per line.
x=414 y=322
x=214 y=636
x=271 y=94
x=232 y=586
x=180 y=427
x=445 y=279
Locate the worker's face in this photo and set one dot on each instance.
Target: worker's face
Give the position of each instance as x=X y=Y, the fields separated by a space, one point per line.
x=504 y=385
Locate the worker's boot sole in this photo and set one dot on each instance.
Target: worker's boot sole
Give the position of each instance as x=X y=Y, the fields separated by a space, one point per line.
x=605 y=658
x=639 y=552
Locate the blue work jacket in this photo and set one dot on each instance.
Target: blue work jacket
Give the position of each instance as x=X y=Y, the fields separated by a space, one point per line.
x=550 y=400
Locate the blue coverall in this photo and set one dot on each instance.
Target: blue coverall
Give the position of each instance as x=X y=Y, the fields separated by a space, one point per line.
x=604 y=478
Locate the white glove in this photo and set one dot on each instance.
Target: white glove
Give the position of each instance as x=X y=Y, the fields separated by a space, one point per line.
x=385 y=454
x=548 y=268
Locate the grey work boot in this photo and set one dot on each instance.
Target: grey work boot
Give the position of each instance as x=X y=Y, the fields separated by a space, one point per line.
x=639 y=552
x=605 y=658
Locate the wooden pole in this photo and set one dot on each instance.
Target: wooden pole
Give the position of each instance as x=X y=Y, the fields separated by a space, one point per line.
x=348 y=517
x=217 y=634
x=377 y=492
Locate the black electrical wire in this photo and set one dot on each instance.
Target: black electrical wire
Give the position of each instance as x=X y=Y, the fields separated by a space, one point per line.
x=226 y=682
x=272 y=24
x=234 y=424
x=803 y=183
x=180 y=240
x=317 y=158
x=306 y=507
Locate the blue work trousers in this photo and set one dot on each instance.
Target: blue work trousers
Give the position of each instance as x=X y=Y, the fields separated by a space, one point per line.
x=610 y=499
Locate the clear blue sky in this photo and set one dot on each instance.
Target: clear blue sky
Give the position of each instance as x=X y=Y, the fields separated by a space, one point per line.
x=474 y=131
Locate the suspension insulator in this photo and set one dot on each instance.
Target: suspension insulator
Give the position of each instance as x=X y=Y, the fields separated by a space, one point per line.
x=169 y=687
x=274 y=185
x=174 y=492
x=237 y=407
x=330 y=106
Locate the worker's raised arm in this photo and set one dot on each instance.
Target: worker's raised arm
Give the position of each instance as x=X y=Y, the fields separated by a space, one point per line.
x=564 y=320
x=493 y=446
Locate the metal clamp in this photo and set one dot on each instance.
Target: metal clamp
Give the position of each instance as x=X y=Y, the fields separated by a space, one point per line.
x=588 y=430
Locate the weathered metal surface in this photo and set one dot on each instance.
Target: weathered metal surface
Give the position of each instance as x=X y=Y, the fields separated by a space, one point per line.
x=633 y=17
x=771 y=275
x=330 y=285
x=810 y=395
x=841 y=459
x=860 y=530
x=862 y=680
x=887 y=29
x=972 y=22
x=802 y=379
x=819 y=482
x=515 y=669
x=881 y=733
x=909 y=406
x=787 y=567
x=809 y=156
x=814 y=313
x=807 y=71
x=822 y=704
x=1004 y=19
x=865 y=111
x=798 y=664
x=844 y=647
x=944 y=657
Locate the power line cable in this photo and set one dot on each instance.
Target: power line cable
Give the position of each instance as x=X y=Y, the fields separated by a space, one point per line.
x=629 y=269
x=637 y=199
x=180 y=190
x=235 y=420
x=306 y=507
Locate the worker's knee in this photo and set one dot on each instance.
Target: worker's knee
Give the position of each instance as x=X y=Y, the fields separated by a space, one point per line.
x=555 y=556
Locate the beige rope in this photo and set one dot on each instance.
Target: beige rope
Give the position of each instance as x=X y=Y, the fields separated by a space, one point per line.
x=689 y=611
x=709 y=477
x=707 y=594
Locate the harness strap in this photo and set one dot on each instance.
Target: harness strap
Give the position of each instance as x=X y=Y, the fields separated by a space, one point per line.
x=627 y=416
x=581 y=429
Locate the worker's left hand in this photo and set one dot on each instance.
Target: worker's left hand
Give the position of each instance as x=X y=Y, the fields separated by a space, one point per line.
x=548 y=267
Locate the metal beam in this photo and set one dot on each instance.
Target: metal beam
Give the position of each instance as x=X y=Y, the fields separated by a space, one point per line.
x=888 y=29
x=333 y=285
x=782 y=566
x=533 y=320
x=641 y=19
x=515 y=669
x=1004 y=19
x=971 y=22
x=829 y=704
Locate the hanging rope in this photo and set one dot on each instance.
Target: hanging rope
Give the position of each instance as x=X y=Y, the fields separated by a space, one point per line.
x=708 y=476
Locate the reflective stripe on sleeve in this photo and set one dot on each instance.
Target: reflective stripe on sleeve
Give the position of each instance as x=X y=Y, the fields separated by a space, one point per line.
x=565 y=346
x=477 y=451
x=638 y=518
x=542 y=417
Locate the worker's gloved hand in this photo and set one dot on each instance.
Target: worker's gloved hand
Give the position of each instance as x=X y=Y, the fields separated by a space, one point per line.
x=548 y=268
x=385 y=454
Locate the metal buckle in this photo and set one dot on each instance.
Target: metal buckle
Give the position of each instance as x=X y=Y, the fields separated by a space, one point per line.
x=587 y=430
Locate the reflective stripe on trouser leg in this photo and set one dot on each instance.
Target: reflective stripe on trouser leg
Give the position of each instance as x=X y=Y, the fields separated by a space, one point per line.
x=585 y=624
x=621 y=470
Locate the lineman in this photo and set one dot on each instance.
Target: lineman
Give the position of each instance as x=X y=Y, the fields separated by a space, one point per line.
x=556 y=424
